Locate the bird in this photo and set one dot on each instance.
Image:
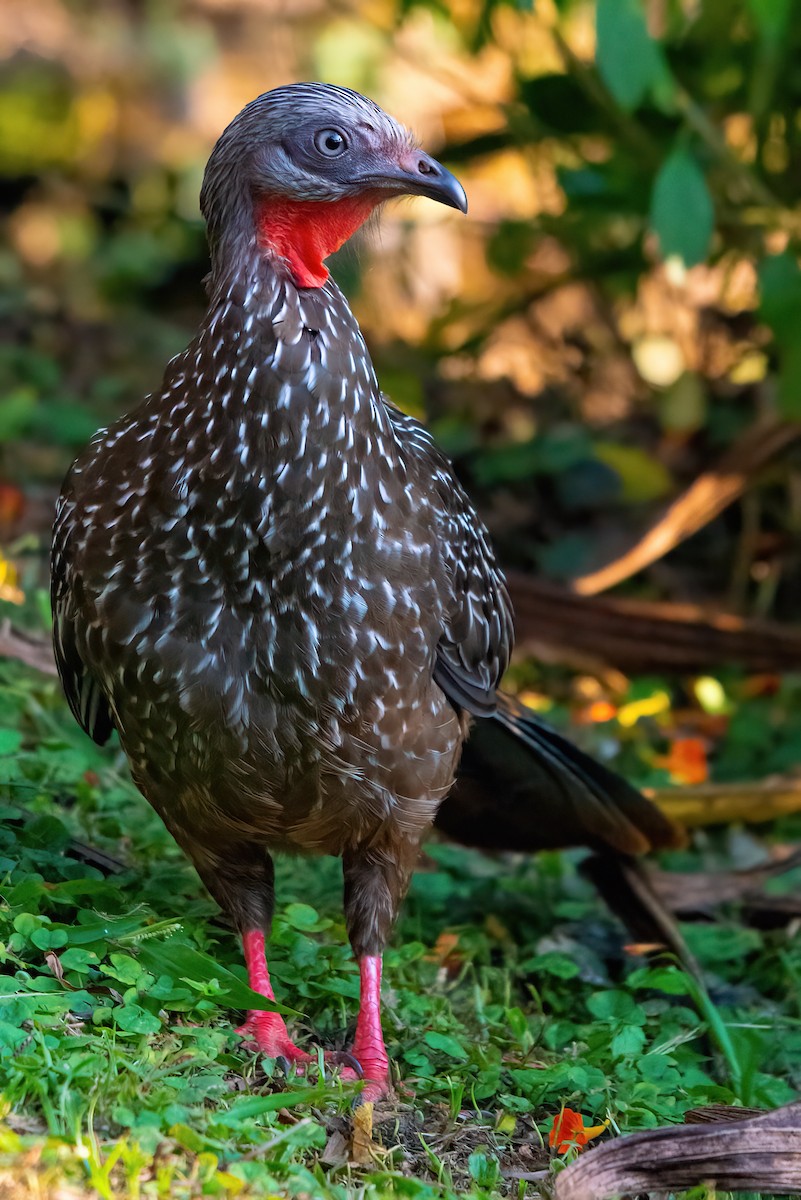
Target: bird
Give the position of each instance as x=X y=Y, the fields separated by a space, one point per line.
x=269 y=581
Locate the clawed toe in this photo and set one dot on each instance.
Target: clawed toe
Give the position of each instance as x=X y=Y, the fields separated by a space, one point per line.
x=342 y=1058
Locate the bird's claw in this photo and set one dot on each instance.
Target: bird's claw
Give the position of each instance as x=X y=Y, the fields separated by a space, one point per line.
x=342 y=1058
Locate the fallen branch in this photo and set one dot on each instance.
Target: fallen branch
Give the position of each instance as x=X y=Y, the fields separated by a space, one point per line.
x=700 y=891
x=758 y=1154
x=555 y=625
x=22 y=647
x=729 y=803
x=703 y=500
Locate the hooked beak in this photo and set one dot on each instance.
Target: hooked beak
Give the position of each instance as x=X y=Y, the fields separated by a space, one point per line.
x=417 y=174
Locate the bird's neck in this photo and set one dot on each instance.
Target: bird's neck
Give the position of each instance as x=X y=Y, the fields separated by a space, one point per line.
x=305 y=232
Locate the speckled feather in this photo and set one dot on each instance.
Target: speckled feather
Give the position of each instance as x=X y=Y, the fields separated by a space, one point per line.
x=269 y=580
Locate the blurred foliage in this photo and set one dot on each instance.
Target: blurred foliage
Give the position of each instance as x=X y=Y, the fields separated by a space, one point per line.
x=620 y=305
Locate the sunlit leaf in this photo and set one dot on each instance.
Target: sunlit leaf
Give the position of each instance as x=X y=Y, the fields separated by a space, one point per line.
x=642 y=477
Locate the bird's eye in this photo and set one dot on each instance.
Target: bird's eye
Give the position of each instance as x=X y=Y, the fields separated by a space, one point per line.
x=330 y=142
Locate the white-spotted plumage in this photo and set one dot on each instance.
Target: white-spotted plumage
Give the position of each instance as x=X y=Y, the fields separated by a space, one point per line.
x=299 y=598
x=268 y=578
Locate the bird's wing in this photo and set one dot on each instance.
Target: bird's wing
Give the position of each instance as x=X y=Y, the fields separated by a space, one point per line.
x=478 y=634
x=83 y=692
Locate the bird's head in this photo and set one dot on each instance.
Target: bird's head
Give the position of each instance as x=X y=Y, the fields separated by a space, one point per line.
x=302 y=167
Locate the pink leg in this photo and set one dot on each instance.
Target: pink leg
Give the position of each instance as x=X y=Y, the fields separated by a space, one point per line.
x=267 y=1029
x=368 y=1044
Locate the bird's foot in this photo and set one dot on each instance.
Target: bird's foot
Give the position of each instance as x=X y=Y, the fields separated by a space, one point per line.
x=269 y=1032
x=373 y=1071
x=376 y=1082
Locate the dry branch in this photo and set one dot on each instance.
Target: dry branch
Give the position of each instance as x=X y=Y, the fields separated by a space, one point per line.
x=22 y=647
x=729 y=803
x=698 y=891
x=556 y=625
x=703 y=500
x=759 y=1154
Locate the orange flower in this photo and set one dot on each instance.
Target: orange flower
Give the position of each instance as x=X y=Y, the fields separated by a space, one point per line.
x=445 y=951
x=601 y=710
x=686 y=761
x=568 y=1131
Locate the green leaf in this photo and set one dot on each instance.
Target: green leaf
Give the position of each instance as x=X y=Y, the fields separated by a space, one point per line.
x=49 y=939
x=682 y=213
x=630 y=62
x=771 y=17
x=780 y=308
x=448 y=1045
x=628 y=1042
x=133 y=1019
x=789 y=391
x=16 y=413
x=642 y=476
x=249 y=1107
x=670 y=980
x=188 y=965
x=615 y=1006
x=780 y=295
x=483 y=1169
x=10 y=741
x=553 y=963
x=75 y=959
x=301 y=916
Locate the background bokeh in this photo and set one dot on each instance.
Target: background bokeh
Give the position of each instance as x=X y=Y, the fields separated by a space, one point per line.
x=618 y=311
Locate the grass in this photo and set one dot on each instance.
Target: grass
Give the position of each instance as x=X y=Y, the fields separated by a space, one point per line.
x=509 y=994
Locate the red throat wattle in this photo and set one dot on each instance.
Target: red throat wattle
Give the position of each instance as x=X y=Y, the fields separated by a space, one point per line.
x=305 y=232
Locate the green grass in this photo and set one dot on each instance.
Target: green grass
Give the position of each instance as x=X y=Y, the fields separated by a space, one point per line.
x=121 y=1073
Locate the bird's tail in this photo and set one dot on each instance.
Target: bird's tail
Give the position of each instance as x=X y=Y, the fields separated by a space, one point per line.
x=522 y=786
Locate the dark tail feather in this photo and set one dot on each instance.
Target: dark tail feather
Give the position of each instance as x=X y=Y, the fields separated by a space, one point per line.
x=522 y=786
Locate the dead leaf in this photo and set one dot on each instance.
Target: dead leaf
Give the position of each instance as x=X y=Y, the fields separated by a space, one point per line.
x=54 y=963
x=336 y=1150
x=362 y=1145
x=760 y=1154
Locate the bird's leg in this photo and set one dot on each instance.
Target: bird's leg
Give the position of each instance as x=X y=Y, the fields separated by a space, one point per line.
x=368 y=1044
x=267 y=1029
x=248 y=896
x=375 y=882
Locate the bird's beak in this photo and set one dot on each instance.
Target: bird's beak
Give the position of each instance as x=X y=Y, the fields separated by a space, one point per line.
x=414 y=173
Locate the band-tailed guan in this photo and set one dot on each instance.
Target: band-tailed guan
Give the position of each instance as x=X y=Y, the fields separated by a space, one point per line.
x=268 y=580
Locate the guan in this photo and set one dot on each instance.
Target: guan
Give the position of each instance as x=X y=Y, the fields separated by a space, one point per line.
x=268 y=580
